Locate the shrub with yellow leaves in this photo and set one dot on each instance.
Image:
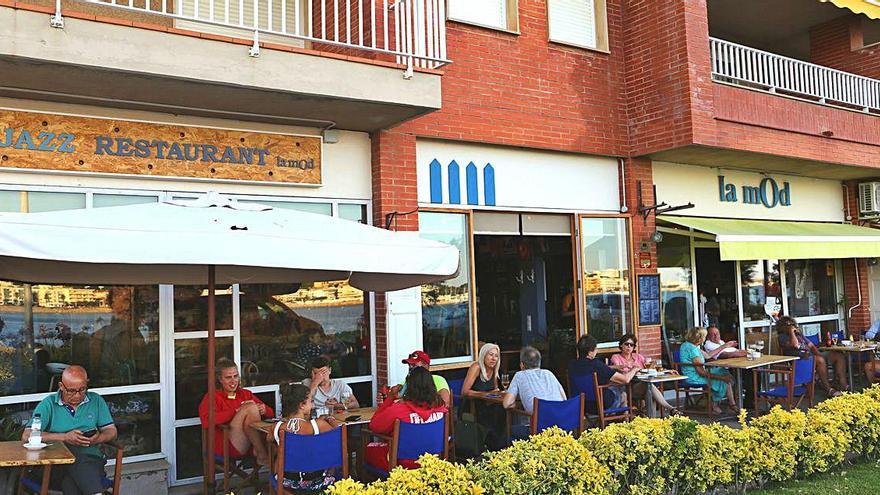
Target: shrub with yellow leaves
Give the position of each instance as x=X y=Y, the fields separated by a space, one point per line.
x=550 y=463
x=434 y=477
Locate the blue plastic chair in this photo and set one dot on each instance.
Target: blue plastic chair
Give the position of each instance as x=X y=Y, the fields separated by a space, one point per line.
x=410 y=441
x=455 y=388
x=800 y=384
x=309 y=453
x=566 y=414
x=813 y=338
x=29 y=485
x=588 y=385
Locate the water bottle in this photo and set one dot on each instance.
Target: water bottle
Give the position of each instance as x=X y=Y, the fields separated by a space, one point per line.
x=36 y=437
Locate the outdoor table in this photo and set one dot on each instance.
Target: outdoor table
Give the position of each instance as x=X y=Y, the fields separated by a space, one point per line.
x=665 y=377
x=365 y=413
x=497 y=397
x=13 y=454
x=744 y=363
x=858 y=348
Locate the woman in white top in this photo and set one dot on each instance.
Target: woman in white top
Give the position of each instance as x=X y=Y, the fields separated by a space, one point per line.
x=296 y=401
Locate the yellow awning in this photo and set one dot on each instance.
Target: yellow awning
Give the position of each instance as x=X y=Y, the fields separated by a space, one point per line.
x=870 y=8
x=763 y=239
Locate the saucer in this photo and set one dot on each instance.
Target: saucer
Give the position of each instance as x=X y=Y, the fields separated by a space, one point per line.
x=38 y=446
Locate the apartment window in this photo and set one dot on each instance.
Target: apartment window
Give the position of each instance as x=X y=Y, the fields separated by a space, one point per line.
x=578 y=22
x=870 y=32
x=498 y=14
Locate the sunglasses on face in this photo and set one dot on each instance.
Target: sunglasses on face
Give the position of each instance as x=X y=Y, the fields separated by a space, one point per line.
x=628 y=344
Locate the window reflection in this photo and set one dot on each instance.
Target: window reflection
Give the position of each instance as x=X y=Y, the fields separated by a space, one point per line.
x=138 y=421
x=676 y=285
x=606 y=277
x=191 y=372
x=760 y=285
x=191 y=308
x=446 y=313
x=284 y=327
x=112 y=331
x=811 y=287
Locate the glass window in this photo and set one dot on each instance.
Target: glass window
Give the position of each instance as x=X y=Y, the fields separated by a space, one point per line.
x=54 y=201
x=574 y=22
x=138 y=421
x=191 y=308
x=10 y=201
x=491 y=13
x=102 y=200
x=356 y=213
x=811 y=287
x=446 y=311
x=112 y=331
x=190 y=372
x=284 y=327
x=606 y=277
x=760 y=286
x=319 y=208
x=676 y=285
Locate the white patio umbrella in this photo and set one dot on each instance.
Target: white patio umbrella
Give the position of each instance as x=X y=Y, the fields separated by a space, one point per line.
x=213 y=240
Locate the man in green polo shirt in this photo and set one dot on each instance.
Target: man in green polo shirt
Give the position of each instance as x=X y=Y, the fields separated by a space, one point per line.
x=421 y=359
x=82 y=420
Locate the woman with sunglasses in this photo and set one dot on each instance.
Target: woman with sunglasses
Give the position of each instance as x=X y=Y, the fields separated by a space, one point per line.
x=628 y=359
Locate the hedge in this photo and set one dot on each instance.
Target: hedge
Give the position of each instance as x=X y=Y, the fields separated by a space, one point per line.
x=656 y=456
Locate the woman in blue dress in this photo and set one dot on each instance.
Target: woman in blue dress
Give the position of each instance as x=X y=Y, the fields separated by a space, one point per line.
x=693 y=366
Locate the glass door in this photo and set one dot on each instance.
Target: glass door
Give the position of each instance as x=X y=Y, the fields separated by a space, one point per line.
x=717 y=298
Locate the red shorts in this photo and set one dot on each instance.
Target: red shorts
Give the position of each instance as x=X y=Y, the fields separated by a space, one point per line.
x=377 y=456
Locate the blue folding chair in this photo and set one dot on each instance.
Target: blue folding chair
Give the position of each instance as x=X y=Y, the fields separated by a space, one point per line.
x=566 y=414
x=410 y=441
x=455 y=388
x=800 y=383
x=813 y=338
x=30 y=485
x=307 y=454
x=588 y=385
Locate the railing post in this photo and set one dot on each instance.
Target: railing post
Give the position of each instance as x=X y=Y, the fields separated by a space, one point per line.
x=56 y=21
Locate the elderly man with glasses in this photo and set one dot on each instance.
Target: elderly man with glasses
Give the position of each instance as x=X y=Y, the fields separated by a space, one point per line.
x=82 y=420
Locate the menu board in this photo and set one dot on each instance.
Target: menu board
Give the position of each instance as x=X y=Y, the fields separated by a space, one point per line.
x=649 y=300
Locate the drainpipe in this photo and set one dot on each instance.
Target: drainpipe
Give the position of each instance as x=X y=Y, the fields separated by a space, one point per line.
x=855 y=260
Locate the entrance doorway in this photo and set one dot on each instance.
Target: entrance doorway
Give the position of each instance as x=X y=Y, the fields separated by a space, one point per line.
x=717 y=292
x=525 y=296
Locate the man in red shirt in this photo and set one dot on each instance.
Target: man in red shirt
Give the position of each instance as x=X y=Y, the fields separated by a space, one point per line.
x=238 y=408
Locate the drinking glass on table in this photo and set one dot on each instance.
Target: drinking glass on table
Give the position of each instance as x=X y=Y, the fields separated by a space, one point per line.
x=346 y=397
x=760 y=346
x=505 y=380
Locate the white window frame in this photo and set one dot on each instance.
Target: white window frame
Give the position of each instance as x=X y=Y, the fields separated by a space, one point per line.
x=600 y=15
x=511 y=8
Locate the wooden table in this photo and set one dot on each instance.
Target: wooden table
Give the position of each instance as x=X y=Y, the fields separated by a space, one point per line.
x=744 y=363
x=666 y=377
x=365 y=413
x=857 y=348
x=13 y=454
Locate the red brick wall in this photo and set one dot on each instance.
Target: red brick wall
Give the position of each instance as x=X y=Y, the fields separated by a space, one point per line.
x=838 y=44
x=639 y=170
x=860 y=317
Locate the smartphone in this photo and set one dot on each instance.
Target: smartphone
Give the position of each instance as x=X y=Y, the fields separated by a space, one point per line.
x=90 y=433
x=353 y=417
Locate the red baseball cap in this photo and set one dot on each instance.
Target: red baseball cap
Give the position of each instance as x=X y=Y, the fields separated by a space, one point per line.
x=417 y=357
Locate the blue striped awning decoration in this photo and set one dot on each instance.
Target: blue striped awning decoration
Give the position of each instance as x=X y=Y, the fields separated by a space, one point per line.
x=453 y=184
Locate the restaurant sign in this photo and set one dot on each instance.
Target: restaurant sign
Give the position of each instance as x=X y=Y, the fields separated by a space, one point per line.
x=91 y=145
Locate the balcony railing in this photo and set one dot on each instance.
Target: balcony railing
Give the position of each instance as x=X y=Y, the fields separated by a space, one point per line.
x=410 y=32
x=756 y=69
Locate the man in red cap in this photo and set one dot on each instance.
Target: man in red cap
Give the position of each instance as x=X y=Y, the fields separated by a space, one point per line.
x=422 y=359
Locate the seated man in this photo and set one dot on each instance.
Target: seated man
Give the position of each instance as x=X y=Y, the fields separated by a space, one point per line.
x=326 y=392
x=239 y=408
x=587 y=364
x=530 y=383
x=872 y=367
x=421 y=359
x=793 y=343
x=719 y=349
x=82 y=420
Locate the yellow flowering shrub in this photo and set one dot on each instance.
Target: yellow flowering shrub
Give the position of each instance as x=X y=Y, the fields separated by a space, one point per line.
x=722 y=457
x=646 y=456
x=858 y=417
x=551 y=463
x=435 y=477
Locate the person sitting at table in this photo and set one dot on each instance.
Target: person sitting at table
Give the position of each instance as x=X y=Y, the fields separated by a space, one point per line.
x=530 y=383
x=793 y=343
x=82 y=420
x=482 y=376
x=627 y=360
x=327 y=392
x=421 y=359
x=587 y=363
x=239 y=408
x=296 y=402
x=872 y=367
x=420 y=403
x=693 y=361
x=719 y=349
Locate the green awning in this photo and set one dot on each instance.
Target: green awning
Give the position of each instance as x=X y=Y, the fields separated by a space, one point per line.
x=764 y=239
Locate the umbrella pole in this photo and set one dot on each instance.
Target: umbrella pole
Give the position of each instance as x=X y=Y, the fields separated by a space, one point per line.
x=209 y=469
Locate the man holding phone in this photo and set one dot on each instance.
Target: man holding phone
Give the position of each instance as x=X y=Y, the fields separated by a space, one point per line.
x=82 y=420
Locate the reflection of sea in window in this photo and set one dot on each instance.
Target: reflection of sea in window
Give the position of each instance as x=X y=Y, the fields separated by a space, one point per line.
x=676 y=285
x=760 y=286
x=606 y=277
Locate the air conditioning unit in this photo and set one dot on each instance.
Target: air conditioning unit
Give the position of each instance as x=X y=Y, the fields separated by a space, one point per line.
x=869 y=199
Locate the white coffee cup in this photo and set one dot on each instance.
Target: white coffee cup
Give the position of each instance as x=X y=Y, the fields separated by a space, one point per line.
x=35 y=440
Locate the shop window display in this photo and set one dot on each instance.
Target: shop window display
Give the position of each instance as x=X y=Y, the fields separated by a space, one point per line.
x=811 y=287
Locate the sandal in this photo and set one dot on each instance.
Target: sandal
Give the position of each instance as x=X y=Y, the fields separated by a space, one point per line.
x=834 y=393
x=675 y=412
